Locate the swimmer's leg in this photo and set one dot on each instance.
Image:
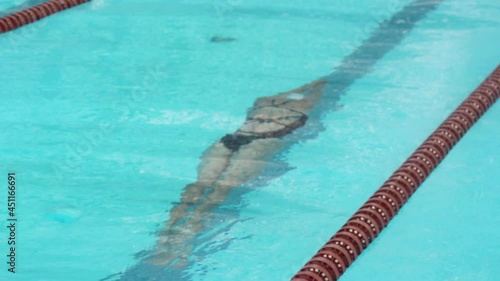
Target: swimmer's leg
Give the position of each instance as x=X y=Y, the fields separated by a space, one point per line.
x=245 y=164
x=176 y=240
x=213 y=162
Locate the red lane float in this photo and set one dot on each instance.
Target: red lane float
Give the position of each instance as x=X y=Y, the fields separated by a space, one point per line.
x=346 y=245
x=36 y=13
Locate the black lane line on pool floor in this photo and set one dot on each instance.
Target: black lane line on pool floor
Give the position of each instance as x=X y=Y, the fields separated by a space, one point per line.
x=386 y=37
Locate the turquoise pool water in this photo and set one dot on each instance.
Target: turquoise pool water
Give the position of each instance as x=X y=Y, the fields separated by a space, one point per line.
x=98 y=168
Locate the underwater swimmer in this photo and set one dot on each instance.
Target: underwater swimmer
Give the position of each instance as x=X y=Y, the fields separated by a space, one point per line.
x=230 y=162
x=241 y=156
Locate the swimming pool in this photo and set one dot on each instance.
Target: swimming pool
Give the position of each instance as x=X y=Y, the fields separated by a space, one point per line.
x=90 y=201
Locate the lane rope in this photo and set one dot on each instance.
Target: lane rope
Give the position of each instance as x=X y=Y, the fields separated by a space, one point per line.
x=36 y=13
x=332 y=260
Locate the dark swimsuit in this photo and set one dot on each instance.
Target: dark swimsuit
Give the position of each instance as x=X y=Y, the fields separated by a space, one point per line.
x=291 y=122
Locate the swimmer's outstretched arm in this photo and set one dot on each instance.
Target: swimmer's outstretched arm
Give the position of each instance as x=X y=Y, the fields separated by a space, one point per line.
x=221 y=169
